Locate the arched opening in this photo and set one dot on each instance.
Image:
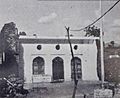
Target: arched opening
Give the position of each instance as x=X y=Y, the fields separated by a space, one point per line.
x=78 y=68
x=38 y=66
x=58 y=69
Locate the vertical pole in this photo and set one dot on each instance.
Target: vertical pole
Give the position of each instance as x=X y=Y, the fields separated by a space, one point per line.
x=101 y=46
x=74 y=64
x=3 y=48
x=3 y=56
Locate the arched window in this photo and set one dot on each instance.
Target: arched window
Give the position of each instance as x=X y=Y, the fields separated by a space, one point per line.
x=78 y=68
x=38 y=66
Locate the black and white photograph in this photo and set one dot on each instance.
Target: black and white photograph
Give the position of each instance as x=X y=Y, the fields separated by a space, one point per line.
x=59 y=48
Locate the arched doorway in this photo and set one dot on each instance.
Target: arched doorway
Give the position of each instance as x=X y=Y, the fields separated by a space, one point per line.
x=78 y=68
x=58 y=69
x=38 y=66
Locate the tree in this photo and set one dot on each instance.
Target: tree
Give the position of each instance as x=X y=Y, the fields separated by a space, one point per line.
x=112 y=43
x=94 y=31
x=9 y=38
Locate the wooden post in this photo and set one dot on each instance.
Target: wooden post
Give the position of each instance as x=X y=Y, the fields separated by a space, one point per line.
x=74 y=65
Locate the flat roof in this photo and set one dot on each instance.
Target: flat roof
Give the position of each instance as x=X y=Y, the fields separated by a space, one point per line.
x=60 y=37
x=58 y=40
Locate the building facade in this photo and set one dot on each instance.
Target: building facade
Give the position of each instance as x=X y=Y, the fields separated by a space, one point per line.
x=48 y=59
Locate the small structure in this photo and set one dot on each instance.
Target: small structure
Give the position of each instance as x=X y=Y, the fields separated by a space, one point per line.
x=48 y=59
x=103 y=93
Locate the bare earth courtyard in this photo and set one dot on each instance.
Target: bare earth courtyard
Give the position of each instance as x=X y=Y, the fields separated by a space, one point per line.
x=63 y=90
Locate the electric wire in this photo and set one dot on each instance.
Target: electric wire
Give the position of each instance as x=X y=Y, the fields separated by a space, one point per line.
x=98 y=18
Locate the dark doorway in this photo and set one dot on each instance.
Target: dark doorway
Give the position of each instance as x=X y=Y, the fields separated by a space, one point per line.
x=58 y=69
x=78 y=68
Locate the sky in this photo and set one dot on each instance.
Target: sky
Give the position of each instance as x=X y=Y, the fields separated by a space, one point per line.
x=49 y=18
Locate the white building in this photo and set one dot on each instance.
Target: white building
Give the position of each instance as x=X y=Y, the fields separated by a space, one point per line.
x=48 y=59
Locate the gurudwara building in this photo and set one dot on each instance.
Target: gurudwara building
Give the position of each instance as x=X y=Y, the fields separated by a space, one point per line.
x=48 y=59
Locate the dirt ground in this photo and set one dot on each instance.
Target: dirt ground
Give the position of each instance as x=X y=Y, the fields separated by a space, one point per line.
x=63 y=90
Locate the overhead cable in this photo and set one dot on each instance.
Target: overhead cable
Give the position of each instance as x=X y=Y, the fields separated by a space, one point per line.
x=98 y=18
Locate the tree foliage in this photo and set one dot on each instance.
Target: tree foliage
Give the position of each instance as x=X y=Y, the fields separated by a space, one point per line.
x=112 y=44
x=92 y=31
x=9 y=38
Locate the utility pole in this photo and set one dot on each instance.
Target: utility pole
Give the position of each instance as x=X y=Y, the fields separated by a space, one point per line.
x=101 y=46
x=74 y=64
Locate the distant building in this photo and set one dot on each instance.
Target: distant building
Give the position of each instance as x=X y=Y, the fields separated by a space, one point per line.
x=48 y=59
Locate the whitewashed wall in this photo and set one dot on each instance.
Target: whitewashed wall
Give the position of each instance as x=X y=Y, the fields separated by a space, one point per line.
x=86 y=52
